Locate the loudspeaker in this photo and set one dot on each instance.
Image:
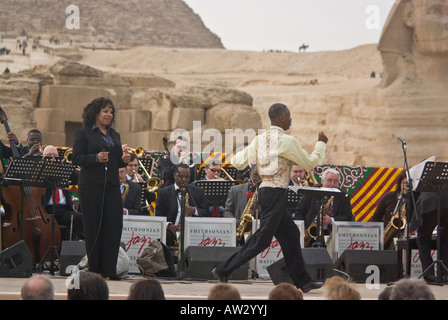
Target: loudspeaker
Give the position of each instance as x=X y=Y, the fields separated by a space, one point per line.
x=318 y=264
x=72 y=253
x=355 y=263
x=200 y=261
x=16 y=261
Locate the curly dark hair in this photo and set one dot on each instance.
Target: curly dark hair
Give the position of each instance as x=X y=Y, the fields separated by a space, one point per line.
x=93 y=108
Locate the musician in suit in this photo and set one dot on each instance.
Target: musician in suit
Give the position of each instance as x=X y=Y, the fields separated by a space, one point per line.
x=131 y=195
x=98 y=151
x=238 y=195
x=33 y=144
x=133 y=175
x=427 y=207
x=177 y=155
x=65 y=214
x=168 y=204
x=340 y=208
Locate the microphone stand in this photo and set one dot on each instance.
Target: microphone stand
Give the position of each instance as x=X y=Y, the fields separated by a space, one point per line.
x=181 y=263
x=417 y=217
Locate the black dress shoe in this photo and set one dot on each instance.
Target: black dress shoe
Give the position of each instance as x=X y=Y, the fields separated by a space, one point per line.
x=307 y=287
x=219 y=277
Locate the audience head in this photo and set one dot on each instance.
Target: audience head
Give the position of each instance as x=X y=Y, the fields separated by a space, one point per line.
x=223 y=291
x=92 y=286
x=38 y=287
x=337 y=288
x=285 y=291
x=148 y=289
x=411 y=289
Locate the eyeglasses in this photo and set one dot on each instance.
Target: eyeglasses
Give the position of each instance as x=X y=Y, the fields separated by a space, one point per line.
x=215 y=170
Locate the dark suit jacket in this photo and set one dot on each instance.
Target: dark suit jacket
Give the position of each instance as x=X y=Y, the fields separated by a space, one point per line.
x=88 y=143
x=133 y=201
x=167 y=204
x=236 y=201
x=309 y=206
x=47 y=196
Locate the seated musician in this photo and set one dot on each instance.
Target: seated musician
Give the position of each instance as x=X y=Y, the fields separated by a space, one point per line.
x=64 y=209
x=212 y=172
x=238 y=195
x=387 y=203
x=168 y=202
x=298 y=177
x=339 y=209
x=133 y=175
x=178 y=154
x=131 y=195
x=33 y=144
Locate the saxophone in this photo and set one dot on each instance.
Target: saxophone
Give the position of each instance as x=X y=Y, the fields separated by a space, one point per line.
x=397 y=222
x=179 y=225
x=247 y=216
x=125 y=192
x=312 y=232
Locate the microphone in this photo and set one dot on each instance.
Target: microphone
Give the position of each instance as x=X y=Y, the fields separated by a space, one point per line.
x=401 y=139
x=104 y=148
x=165 y=141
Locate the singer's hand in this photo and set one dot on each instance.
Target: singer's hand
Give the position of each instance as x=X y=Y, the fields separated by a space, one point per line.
x=103 y=156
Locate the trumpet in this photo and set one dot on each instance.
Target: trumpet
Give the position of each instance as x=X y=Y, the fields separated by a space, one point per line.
x=139 y=152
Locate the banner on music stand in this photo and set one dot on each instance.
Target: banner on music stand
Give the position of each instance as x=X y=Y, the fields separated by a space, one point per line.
x=349 y=235
x=138 y=232
x=273 y=253
x=210 y=232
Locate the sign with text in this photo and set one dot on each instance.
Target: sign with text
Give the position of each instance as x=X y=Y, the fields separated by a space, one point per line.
x=210 y=232
x=273 y=253
x=348 y=235
x=138 y=232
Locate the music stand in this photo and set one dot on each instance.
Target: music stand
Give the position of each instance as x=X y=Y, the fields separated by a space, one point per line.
x=320 y=194
x=435 y=179
x=42 y=173
x=216 y=191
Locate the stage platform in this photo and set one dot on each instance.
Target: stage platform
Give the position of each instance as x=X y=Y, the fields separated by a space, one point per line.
x=190 y=290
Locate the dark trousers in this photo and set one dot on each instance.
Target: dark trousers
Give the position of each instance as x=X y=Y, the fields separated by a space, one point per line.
x=424 y=235
x=102 y=228
x=274 y=221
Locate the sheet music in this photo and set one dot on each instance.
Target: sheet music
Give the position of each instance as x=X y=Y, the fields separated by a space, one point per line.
x=317 y=190
x=416 y=172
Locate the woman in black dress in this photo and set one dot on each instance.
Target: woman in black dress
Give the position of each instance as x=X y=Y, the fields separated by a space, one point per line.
x=98 y=151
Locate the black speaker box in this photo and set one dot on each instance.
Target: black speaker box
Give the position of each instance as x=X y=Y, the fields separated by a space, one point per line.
x=72 y=253
x=317 y=263
x=355 y=263
x=16 y=261
x=200 y=261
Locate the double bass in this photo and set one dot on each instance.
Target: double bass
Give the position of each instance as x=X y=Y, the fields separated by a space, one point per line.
x=25 y=218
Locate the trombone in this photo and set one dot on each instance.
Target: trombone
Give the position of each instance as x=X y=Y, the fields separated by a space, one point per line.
x=230 y=177
x=153 y=184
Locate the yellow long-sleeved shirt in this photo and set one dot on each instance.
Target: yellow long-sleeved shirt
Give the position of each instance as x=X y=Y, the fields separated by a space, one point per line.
x=275 y=152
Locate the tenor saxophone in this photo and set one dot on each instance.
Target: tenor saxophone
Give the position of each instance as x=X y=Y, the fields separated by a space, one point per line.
x=247 y=216
x=396 y=223
x=312 y=232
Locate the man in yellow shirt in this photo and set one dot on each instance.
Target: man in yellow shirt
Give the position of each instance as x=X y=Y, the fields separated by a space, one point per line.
x=274 y=152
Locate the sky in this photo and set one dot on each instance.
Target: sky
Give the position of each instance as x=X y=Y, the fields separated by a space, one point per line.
x=259 y=25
